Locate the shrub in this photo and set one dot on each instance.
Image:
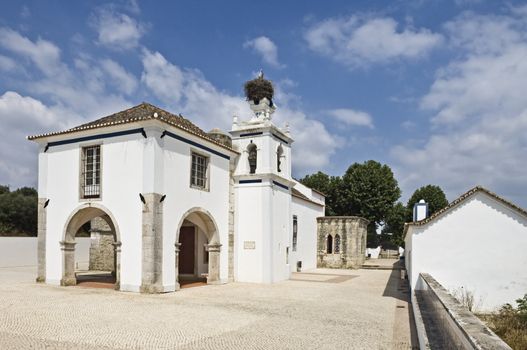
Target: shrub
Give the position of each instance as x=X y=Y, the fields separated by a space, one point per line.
x=510 y=324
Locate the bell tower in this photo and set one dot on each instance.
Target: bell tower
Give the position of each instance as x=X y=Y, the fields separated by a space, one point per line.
x=262 y=182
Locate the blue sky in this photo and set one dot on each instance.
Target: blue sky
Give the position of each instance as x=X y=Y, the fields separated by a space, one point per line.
x=434 y=89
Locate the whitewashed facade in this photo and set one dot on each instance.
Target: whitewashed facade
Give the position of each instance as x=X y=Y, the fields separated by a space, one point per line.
x=155 y=177
x=477 y=243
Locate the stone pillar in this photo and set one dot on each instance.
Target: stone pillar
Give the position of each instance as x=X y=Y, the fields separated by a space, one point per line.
x=152 y=236
x=232 y=167
x=214 y=263
x=41 y=241
x=68 y=264
x=177 y=245
x=117 y=263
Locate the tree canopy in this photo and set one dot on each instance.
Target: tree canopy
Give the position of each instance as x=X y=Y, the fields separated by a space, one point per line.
x=432 y=194
x=18 y=211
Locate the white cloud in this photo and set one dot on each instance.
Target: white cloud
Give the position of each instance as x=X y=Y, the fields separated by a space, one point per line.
x=7 y=64
x=359 y=41
x=121 y=79
x=117 y=30
x=479 y=119
x=22 y=115
x=352 y=117
x=195 y=97
x=266 y=48
x=44 y=54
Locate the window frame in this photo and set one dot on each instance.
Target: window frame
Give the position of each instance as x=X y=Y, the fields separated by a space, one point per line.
x=206 y=173
x=83 y=172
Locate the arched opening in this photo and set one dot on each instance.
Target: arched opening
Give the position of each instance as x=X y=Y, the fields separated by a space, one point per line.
x=329 y=244
x=102 y=268
x=337 y=244
x=279 y=155
x=252 y=157
x=197 y=249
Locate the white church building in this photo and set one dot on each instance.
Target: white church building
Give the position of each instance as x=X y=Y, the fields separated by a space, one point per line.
x=180 y=202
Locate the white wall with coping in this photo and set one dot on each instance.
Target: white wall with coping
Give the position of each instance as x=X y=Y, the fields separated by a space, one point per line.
x=478 y=245
x=22 y=251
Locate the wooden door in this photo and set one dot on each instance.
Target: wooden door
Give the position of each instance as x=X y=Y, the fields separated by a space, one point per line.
x=186 y=250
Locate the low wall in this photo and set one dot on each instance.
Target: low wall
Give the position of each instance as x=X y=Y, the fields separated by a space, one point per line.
x=22 y=251
x=443 y=323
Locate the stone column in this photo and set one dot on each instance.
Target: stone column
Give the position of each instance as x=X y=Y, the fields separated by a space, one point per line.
x=117 y=262
x=151 y=280
x=68 y=264
x=41 y=241
x=214 y=263
x=177 y=245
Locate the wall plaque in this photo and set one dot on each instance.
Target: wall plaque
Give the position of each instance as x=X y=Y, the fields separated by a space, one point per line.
x=249 y=244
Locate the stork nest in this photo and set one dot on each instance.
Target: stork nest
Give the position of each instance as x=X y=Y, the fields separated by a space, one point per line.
x=257 y=89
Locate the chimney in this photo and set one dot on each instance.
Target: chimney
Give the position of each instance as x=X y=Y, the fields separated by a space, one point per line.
x=420 y=210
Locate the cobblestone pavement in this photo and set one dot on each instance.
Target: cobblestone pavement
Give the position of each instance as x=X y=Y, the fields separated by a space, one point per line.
x=321 y=309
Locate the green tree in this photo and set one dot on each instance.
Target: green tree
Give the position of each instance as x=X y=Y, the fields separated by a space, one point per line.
x=394 y=224
x=18 y=212
x=432 y=194
x=329 y=185
x=370 y=190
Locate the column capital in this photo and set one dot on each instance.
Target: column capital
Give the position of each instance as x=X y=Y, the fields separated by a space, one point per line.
x=214 y=247
x=68 y=246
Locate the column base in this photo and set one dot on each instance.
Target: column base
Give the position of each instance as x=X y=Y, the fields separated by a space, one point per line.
x=151 y=289
x=68 y=281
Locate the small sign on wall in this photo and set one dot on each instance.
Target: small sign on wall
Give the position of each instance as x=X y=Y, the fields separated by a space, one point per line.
x=249 y=244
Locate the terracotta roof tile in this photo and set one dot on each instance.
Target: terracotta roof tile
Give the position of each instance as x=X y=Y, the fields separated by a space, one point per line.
x=298 y=194
x=143 y=111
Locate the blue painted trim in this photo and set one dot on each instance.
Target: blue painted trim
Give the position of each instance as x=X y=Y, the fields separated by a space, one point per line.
x=280 y=185
x=281 y=139
x=251 y=134
x=255 y=181
x=195 y=144
x=96 y=137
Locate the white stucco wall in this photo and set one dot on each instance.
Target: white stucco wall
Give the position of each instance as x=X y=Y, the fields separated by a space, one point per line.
x=181 y=198
x=307 y=214
x=479 y=245
x=121 y=183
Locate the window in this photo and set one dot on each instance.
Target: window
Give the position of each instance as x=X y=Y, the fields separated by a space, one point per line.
x=198 y=174
x=329 y=245
x=295 y=231
x=91 y=172
x=279 y=153
x=251 y=149
x=337 y=244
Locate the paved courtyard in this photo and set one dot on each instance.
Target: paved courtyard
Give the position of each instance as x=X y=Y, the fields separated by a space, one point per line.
x=320 y=309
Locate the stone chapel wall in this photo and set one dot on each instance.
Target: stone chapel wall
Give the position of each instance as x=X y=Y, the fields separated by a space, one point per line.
x=101 y=248
x=347 y=242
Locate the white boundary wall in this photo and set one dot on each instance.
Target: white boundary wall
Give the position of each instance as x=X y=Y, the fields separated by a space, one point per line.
x=22 y=251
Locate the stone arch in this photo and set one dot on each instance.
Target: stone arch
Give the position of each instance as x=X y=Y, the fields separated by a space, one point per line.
x=329 y=244
x=205 y=221
x=76 y=219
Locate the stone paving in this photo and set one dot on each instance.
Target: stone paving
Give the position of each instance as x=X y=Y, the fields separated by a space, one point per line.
x=320 y=309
